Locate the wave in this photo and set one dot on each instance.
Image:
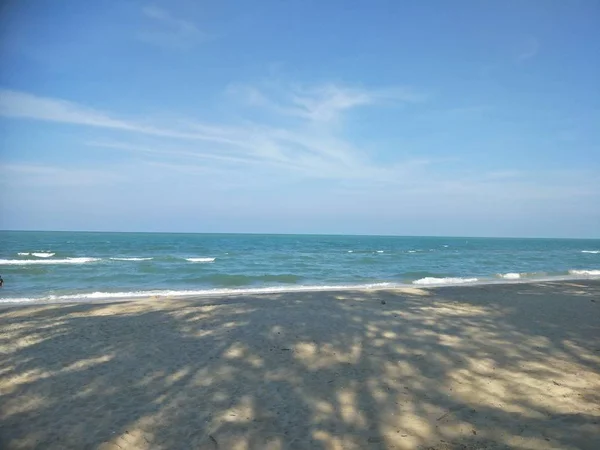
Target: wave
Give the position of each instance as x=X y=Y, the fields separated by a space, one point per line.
x=26 y=262
x=200 y=260
x=418 y=274
x=590 y=251
x=510 y=276
x=38 y=254
x=194 y=293
x=593 y=273
x=426 y=281
x=131 y=259
x=43 y=254
x=440 y=281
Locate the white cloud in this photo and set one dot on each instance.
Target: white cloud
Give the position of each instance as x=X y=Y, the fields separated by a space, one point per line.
x=166 y=30
x=298 y=149
x=29 y=106
x=261 y=153
x=322 y=103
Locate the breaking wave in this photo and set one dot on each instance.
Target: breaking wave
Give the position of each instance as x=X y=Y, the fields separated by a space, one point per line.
x=444 y=281
x=27 y=262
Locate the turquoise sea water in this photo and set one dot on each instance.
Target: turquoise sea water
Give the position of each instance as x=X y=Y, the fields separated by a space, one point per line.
x=61 y=266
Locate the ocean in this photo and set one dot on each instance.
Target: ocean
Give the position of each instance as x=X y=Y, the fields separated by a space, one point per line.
x=63 y=266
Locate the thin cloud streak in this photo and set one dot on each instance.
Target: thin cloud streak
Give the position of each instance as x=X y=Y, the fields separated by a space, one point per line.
x=169 y=31
x=28 y=106
x=262 y=154
x=324 y=103
x=298 y=149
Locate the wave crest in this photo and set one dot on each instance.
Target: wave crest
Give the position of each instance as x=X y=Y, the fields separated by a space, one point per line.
x=130 y=259
x=593 y=273
x=27 y=262
x=43 y=254
x=37 y=254
x=510 y=276
x=441 y=281
x=190 y=293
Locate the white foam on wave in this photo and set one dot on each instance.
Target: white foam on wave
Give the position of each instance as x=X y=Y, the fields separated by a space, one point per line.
x=43 y=254
x=510 y=276
x=195 y=293
x=592 y=273
x=350 y=251
x=23 y=254
x=26 y=262
x=200 y=260
x=441 y=281
x=590 y=251
x=412 y=251
x=131 y=259
x=379 y=251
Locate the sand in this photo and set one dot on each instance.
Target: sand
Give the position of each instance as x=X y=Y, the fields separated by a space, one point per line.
x=480 y=367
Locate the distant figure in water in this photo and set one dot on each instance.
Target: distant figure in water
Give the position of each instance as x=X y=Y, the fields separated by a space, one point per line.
x=1 y=281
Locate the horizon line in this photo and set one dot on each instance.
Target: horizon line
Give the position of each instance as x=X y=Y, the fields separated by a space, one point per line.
x=299 y=234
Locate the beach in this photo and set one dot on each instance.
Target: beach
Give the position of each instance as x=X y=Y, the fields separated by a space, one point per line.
x=463 y=367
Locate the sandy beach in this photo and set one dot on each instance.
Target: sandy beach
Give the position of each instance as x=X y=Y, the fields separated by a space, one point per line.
x=479 y=367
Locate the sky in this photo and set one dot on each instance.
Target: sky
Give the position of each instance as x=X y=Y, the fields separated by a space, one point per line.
x=465 y=118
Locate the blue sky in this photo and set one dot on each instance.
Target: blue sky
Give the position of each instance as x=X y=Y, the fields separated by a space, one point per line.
x=477 y=118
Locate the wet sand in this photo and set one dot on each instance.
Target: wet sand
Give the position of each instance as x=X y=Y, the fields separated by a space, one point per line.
x=477 y=367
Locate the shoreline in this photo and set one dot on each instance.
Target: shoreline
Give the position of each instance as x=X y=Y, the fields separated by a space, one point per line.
x=510 y=366
x=96 y=297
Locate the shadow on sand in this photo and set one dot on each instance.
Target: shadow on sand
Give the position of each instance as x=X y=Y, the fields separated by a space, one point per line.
x=453 y=368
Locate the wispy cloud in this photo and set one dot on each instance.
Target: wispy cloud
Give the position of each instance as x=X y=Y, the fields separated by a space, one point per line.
x=264 y=152
x=165 y=30
x=529 y=49
x=30 y=106
x=323 y=103
x=298 y=149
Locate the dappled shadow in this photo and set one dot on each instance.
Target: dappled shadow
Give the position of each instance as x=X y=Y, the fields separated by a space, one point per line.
x=510 y=366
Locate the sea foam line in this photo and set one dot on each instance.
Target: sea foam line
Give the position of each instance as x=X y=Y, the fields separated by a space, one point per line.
x=593 y=272
x=444 y=281
x=37 y=254
x=26 y=262
x=425 y=282
x=130 y=259
x=200 y=260
x=590 y=251
x=198 y=293
x=510 y=276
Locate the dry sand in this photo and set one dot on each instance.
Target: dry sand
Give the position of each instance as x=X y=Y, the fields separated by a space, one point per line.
x=485 y=367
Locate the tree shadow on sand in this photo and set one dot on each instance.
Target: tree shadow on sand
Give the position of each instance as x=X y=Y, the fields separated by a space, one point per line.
x=452 y=368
